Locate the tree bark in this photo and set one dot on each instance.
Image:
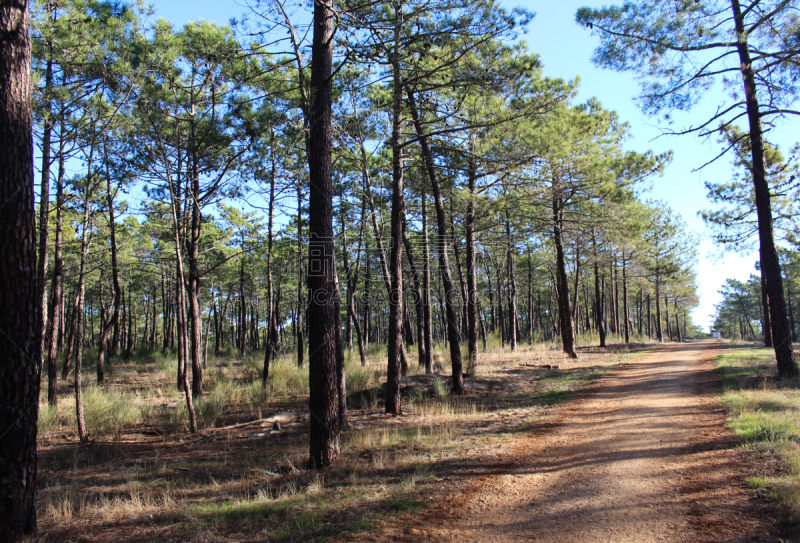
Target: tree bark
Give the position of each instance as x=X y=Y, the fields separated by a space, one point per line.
x=110 y=323
x=395 y=343
x=57 y=296
x=426 y=288
x=791 y=313
x=418 y=299
x=659 y=330
x=564 y=313
x=781 y=337
x=471 y=300
x=271 y=316
x=300 y=337
x=19 y=344
x=766 y=324
x=601 y=329
x=44 y=220
x=625 y=299
x=324 y=447
x=512 y=288
x=444 y=261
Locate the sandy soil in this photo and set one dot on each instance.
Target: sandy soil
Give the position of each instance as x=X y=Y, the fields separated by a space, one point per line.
x=643 y=455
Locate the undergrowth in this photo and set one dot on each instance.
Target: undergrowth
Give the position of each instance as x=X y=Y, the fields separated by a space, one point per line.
x=765 y=413
x=243 y=475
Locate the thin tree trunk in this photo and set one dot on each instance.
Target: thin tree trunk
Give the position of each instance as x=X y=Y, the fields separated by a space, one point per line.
x=530 y=299
x=601 y=329
x=272 y=318
x=659 y=331
x=180 y=302
x=666 y=317
x=57 y=297
x=471 y=299
x=444 y=262
x=564 y=313
x=44 y=221
x=625 y=299
x=418 y=299
x=791 y=313
x=512 y=288
x=300 y=337
x=111 y=322
x=426 y=288
x=395 y=344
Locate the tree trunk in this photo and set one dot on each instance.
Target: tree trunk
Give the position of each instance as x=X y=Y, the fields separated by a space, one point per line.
x=367 y=297
x=180 y=303
x=791 y=313
x=677 y=323
x=418 y=299
x=300 y=302
x=659 y=330
x=19 y=343
x=324 y=445
x=626 y=313
x=426 y=288
x=617 y=317
x=472 y=276
x=512 y=288
x=766 y=324
x=444 y=261
x=395 y=344
x=666 y=317
x=564 y=313
x=501 y=324
x=530 y=299
x=57 y=296
x=44 y=220
x=271 y=317
x=461 y=283
x=243 y=335
x=601 y=329
x=111 y=322
x=781 y=337
x=576 y=304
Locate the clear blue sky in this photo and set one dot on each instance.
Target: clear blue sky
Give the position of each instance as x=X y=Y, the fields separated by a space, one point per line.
x=566 y=51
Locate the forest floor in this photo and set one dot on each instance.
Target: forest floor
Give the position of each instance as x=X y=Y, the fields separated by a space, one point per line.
x=642 y=455
x=627 y=443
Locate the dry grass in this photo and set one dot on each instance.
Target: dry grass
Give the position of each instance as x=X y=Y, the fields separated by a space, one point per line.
x=764 y=411
x=144 y=478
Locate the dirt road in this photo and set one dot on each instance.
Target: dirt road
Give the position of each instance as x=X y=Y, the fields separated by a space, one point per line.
x=641 y=456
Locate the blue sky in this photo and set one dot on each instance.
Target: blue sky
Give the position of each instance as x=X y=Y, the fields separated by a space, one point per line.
x=566 y=51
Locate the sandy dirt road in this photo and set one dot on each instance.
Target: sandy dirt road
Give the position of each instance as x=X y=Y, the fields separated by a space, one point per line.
x=643 y=455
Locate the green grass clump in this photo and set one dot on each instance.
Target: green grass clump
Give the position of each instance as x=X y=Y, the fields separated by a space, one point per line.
x=286 y=379
x=360 y=378
x=758 y=483
x=109 y=411
x=49 y=417
x=216 y=401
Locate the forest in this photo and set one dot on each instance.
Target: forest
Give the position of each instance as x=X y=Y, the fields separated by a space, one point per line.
x=302 y=219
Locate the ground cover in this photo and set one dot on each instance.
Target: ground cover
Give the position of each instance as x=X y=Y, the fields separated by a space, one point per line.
x=765 y=413
x=243 y=476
